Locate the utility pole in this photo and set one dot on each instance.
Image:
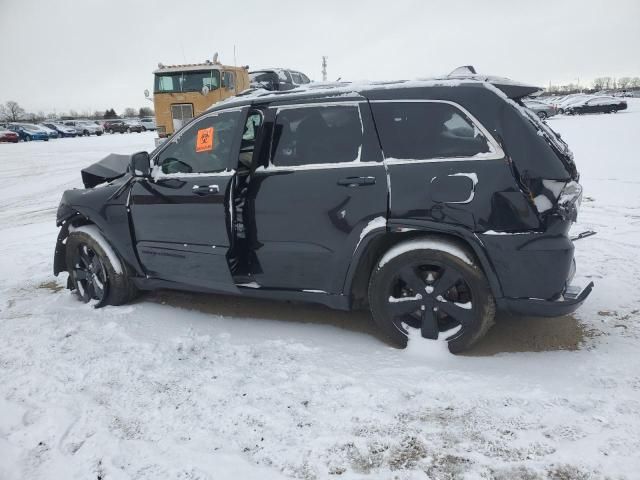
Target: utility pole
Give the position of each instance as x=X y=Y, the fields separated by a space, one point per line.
x=324 y=69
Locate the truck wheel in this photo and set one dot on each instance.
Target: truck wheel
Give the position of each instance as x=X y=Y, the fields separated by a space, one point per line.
x=434 y=291
x=95 y=275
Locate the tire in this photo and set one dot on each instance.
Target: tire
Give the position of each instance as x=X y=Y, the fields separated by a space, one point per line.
x=424 y=270
x=85 y=257
x=542 y=115
x=27 y=138
x=560 y=111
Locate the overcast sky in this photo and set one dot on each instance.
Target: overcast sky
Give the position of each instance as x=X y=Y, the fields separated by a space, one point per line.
x=92 y=55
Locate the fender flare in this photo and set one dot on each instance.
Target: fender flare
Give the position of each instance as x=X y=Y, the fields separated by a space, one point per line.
x=400 y=230
x=76 y=216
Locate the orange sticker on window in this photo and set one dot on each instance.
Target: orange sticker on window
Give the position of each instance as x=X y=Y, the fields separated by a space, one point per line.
x=204 y=140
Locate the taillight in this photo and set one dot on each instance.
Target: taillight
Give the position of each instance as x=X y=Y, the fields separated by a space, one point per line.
x=561 y=197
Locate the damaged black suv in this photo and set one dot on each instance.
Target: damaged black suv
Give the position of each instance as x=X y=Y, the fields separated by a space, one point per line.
x=431 y=203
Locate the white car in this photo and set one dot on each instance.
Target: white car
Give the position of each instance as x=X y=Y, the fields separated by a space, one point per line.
x=85 y=127
x=149 y=123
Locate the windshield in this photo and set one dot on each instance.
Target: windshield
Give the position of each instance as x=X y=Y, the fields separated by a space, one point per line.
x=186 y=81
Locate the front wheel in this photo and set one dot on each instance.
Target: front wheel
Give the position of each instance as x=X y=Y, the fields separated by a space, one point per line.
x=542 y=115
x=95 y=275
x=432 y=291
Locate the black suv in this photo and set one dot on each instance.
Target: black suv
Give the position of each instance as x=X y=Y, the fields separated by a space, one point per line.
x=431 y=203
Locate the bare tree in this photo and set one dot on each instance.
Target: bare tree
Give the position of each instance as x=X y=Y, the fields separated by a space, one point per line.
x=11 y=111
x=130 y=112
x=145 y=112
x=623 y=82
x=598 y=83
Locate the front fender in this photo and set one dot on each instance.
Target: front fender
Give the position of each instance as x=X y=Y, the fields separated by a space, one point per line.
x=106 y=208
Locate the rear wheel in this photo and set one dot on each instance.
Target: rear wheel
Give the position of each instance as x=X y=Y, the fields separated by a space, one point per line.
x=542 y=115
x=431 y=291
x=92 y=273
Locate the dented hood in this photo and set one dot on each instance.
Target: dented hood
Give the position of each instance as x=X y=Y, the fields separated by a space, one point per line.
x=109 y=168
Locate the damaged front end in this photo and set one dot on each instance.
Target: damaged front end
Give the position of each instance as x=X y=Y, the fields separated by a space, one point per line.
x=104 y=207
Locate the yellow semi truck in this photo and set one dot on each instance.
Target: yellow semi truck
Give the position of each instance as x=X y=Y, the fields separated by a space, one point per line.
x=181 y=92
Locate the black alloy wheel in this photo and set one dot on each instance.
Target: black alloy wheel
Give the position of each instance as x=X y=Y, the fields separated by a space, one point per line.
x=434 y=292
x=431 y=297
x=89 y=275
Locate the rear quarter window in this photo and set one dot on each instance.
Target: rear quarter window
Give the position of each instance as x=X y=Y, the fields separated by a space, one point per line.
x=427 y=130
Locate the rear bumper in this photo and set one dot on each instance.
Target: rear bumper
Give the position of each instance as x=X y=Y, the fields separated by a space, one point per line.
x=568 y=302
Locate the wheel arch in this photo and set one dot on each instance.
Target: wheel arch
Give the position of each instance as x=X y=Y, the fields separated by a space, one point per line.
x=77 y=217
x=376 y=244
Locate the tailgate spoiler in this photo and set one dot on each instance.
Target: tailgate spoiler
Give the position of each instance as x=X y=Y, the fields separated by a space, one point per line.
x=512 y=89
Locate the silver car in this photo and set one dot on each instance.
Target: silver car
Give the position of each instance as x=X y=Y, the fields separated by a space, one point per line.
x=542 y=109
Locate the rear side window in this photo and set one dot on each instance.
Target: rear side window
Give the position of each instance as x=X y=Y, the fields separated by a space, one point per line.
x=425 y=130
x=317 y=135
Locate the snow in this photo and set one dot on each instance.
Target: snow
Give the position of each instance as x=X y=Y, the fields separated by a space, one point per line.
x=376 y=223
x=423 y=243
x=96 y=234
x=190 y=386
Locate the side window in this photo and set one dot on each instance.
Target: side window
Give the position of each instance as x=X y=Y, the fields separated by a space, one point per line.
x=204 y=147
x=229 y=80
x=316 y=135
x=254 y=120
x=297 y=79
x=424 y=130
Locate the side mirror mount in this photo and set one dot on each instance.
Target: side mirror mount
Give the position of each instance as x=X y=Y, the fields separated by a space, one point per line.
x=140 y=165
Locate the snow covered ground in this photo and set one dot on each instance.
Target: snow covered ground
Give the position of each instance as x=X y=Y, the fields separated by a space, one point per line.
x=180 y=386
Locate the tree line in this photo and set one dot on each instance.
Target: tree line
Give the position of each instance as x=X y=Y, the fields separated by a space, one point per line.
x=620 y=84
x=11 y=111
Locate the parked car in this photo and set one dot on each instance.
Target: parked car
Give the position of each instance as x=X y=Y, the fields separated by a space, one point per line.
x=7 y=135
x=542 y=109
x=277 y=79
x=122 y=126
x=113 y=126
x=134 y=125
x=28 y=132
x=394 y=198
x=148 y=123
x=63 y=130
x=85 y=127
x=570 y=100
x=53 y=133
x=596 y=105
